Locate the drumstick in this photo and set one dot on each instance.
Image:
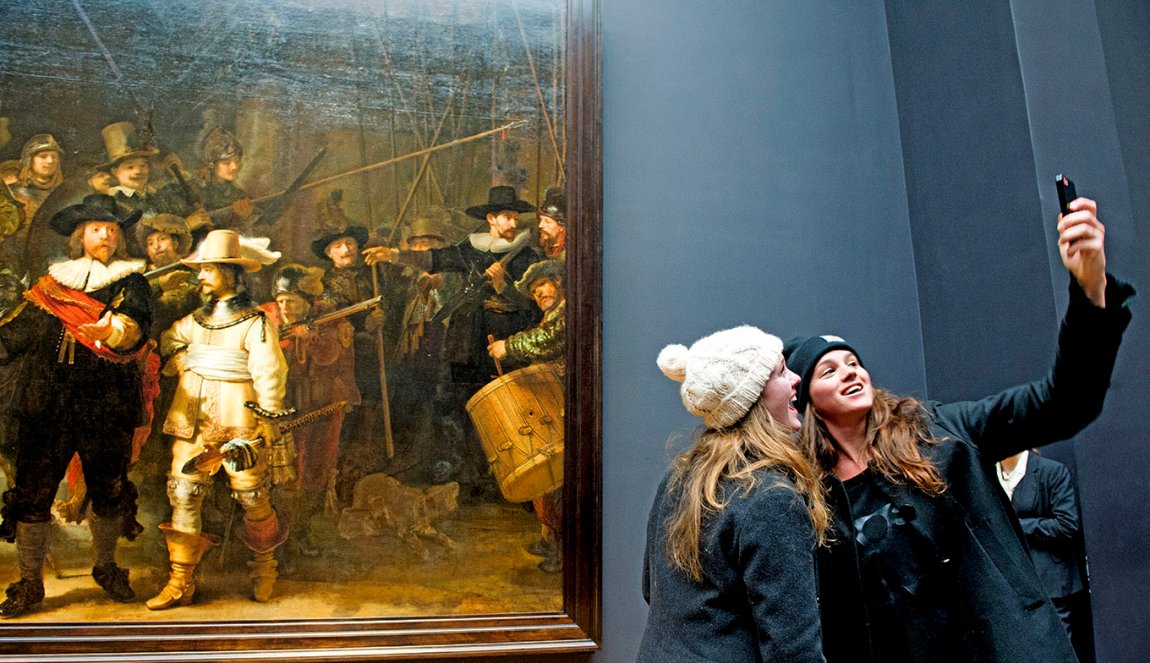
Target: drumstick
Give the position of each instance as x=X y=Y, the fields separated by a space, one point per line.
x=498 y=366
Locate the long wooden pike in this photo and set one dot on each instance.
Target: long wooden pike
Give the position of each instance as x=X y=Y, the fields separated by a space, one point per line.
x=538 y=89
x=419 y=175
x=385 y=405
x=394 y=160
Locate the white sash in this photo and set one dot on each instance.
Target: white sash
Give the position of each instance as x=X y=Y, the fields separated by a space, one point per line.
x=215 y=363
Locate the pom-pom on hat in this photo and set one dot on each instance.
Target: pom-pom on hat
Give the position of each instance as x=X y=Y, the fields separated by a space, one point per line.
x=803 y=353
x=723 y=374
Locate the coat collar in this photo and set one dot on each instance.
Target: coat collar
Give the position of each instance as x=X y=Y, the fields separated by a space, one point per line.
x=486 y=243
x=89 y=275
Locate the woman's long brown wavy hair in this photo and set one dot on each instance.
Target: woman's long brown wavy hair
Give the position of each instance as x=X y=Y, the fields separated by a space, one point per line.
x=896 y=430
x=736 y=452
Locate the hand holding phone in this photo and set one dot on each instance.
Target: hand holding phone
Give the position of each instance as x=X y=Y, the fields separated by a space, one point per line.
x=1066 y=192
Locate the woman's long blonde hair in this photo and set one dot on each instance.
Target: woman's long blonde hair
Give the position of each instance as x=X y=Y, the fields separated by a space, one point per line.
x=896 y=431
x=737 y=452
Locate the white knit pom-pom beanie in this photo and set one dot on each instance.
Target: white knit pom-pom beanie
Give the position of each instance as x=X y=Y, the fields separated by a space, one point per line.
x=723 y=374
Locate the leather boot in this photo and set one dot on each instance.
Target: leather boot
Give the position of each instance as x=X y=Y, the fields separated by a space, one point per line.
x=263 y=566
x=184 y=553
x=28 y=592
x=262 y=537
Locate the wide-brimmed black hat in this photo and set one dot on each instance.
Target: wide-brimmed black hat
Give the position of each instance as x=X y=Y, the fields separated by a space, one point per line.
x=319 y=246
x=500 y=199
x=334 y=224
x=95 y=207
x=555 y=204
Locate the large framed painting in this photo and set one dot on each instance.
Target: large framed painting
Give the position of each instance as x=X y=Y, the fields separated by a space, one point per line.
x=299 y=329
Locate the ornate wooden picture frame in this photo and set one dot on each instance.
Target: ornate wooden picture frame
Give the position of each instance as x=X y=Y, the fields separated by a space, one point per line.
x=411 y=104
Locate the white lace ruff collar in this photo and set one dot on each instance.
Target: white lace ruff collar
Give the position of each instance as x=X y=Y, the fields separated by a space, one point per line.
x=88 y=274
x=488 y=244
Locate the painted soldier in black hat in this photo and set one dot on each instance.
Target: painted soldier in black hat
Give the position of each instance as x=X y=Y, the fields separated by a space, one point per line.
x=487 y=305
x=492 y=259
x=83 y=333
x=348 y=281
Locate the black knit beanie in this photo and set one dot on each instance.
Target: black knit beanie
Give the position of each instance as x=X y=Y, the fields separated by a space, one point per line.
x=803 y=352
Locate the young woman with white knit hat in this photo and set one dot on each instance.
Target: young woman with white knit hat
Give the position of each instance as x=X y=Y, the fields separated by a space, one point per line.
x=729 y=567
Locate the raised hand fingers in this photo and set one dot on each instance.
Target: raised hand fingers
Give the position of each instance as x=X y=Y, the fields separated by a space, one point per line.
x=1083 y=212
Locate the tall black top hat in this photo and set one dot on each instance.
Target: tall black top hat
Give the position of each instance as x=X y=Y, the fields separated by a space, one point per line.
x=122 y=141
x=500 y=199
x=95 y=207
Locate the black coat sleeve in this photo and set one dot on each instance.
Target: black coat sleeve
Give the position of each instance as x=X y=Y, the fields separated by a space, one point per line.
x=17 y=335
x=132 y=296
x=1063 y=402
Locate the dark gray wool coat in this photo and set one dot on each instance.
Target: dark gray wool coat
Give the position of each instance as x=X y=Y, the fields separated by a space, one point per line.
x=956 y=582
x=756 y=601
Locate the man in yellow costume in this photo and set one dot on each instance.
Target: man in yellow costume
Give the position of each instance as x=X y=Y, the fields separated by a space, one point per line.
x=225 y=354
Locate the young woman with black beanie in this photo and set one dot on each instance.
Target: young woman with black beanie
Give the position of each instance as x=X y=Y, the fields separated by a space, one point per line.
x=926 y=561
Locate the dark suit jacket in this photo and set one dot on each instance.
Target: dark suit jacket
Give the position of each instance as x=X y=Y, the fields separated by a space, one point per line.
x=1048 y=512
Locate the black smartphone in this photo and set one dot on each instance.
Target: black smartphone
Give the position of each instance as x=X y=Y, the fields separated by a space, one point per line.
x=1066 y=192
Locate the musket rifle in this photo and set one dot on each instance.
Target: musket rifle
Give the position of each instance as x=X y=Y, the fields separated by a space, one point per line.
x=160 y=271
x=274 y=210
x=209 y=460
x=476 y=286
x=286 y=329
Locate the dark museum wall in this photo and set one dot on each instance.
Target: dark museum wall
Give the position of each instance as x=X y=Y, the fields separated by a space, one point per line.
x=883 y=171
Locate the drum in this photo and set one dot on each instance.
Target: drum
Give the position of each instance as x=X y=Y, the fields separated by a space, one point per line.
x=519 y=417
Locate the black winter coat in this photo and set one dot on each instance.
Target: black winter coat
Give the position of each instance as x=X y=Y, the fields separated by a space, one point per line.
x=756 y=601
x=958 y=584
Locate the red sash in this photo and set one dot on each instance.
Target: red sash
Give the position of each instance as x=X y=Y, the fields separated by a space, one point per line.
x=74 y=308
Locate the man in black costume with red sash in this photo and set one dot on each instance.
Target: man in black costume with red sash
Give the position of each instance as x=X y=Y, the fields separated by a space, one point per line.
x=83 y=331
